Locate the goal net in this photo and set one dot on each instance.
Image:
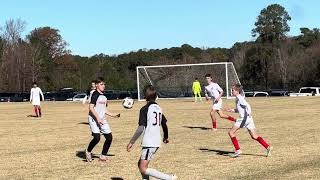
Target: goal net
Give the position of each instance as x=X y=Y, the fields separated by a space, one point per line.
x=175 y=81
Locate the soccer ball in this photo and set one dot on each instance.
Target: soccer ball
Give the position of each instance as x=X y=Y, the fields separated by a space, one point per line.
x=127 y=103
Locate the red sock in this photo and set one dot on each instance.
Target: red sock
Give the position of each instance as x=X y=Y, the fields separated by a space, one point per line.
x=231 y=118
x=262 y=142
x=36 y=111
x=235 y=143
x=214 y=124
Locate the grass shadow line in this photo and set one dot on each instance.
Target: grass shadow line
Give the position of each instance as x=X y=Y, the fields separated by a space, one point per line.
x=227 y=153
x=201 y=127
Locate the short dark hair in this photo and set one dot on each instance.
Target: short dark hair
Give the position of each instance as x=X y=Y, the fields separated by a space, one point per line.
x=195 y=78
x=150 y=93
x=238 y=87
x=93 y=81
x=34 y=83
x=208 y=75
x=99 y=80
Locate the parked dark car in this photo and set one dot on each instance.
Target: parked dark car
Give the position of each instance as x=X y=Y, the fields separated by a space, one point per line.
x=11 y=97
x=4 y=97
x=25 y=96
x=16 y=97
x=279 y=93
x=64 y=94
x=124 y=94
x=111 y=95
x=49 y=96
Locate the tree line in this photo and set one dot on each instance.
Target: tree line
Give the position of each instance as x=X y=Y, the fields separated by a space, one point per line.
x=273 y=60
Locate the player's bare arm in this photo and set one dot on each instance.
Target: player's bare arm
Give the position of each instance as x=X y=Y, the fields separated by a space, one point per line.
x=219 y=97
x=112 y=114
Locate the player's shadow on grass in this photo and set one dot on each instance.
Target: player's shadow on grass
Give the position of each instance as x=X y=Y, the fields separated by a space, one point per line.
x=201 y=127
x=116 y=178
x=86 y=123
x=32 y=116
x=82 y=155
x=227 y=153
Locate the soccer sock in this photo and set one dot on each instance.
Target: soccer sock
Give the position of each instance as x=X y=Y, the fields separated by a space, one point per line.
x=157 y=174
x=235 y=143
x=107 y=144
x=36 y=111
x=94 y=141
x=214 y=124
x=231 y=118
x=263 y=142
x=39 y=109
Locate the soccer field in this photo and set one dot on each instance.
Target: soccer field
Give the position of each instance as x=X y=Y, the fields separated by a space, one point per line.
x=52 y=147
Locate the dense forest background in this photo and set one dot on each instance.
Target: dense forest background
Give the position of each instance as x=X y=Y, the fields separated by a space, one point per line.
x=274 y=60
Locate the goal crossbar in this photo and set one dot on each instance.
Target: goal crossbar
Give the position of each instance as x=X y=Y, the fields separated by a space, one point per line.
x=180 y=65
x=144 y=73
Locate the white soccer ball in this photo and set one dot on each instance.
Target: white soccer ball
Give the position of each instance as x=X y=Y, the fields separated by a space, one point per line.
x=127 y=103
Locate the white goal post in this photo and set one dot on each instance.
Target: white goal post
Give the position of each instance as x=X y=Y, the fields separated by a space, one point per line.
x=175 y=81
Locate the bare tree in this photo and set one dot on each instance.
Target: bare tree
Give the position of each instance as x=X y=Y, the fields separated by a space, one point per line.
x=13 y=55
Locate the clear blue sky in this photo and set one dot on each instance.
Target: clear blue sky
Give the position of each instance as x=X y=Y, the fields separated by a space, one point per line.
x=117 y=26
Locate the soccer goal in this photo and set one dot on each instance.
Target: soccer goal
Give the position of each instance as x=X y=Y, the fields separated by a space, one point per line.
x=175 y=81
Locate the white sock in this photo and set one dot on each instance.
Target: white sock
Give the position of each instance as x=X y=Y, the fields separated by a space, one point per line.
x=157 y=174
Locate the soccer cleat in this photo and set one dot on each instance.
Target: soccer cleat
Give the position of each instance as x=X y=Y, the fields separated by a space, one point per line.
x=236 y=154
x=88 y=156
x=174 y=177
x=103 y=158
x=268 y=152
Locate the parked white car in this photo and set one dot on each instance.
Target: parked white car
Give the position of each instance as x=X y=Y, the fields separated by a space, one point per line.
x=256 y=94
x=79 y=97
x=307 y=91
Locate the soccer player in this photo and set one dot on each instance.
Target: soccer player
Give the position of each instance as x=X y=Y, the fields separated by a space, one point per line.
x=150 y=120
x=196 y=88
x=98 y=122
x=90 y=92
x=215 y=92
x=245 y=121
x=35 y=99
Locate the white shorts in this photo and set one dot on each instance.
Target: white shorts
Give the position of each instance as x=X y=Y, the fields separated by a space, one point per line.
x=147 y=153
x=217 y=105
x=104 y=129
x=35 y=102
x=245 y=123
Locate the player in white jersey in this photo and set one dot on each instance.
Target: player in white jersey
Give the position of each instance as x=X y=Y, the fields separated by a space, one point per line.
x=150 y=120
x=244 y=121
x=35 y=94
x=98 y=122
x=90 y=91
x=215 y=92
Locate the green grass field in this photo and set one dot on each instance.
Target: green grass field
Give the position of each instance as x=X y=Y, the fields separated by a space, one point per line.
x=52 y=147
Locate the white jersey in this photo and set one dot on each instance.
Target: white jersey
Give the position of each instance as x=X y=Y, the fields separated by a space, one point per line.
x=100 y=103
x=87 y=98
x=151 y=118
x=213 y=90
x=90 y=95
x=242 y=107
x=35 y=96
